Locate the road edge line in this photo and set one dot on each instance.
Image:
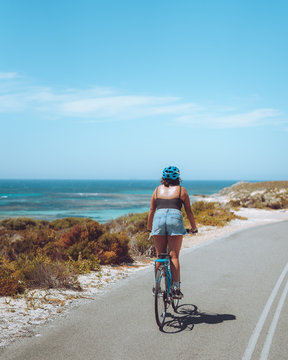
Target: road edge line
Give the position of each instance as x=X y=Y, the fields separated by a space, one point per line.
x=271 y=331
x=255 y=335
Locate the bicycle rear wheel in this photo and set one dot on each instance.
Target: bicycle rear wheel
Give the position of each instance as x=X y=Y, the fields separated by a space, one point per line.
x=175 y=303
x=160 y=296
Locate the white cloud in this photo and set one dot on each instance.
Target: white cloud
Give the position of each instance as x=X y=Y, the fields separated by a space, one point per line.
x=258 y=117
x=107 y=104
x=8 y=75
x=112 y=105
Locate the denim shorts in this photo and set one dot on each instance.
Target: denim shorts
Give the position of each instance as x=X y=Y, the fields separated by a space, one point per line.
x=168 y=222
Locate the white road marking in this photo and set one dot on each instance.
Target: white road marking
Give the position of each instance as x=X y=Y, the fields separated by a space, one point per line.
x=256 y=333
x=269 y=338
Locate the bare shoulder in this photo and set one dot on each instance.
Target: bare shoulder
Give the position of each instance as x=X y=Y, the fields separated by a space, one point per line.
x=184 y=193
x=155 y=191
x=184 y=190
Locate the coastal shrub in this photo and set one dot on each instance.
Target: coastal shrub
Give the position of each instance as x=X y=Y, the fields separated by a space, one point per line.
x=113 y=248
x=88 y=232
x=69 y=222
x=92 y=242
x=54 y=251
x=141 y=244
x=40 y=272
x=235 y=204
x=29 y=241
x=131 y=224
x=259 y=204
x=285 y=202
x=40 y=254
x=83 y=266
x=4 y=241
x=22 y=223
x=71 y=237
x=93 y=230
x=81 y=241
x=6 y=266
x=199 y=207
x=134 y=225
x=85 y=248
x=10 y=284
x=210 y=214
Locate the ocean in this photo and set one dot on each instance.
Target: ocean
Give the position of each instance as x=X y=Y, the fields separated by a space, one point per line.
x=101 y=200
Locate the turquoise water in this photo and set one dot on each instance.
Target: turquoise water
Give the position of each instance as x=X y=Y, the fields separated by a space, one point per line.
x=100 y=200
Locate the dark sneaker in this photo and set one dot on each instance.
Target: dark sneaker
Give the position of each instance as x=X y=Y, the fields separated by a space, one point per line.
x=177 y=294
x=153 y=290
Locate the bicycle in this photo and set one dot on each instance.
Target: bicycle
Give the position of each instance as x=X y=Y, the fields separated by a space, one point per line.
x=163 y=292
x=163 y=286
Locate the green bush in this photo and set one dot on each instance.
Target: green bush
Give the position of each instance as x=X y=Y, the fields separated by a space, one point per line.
x=66 y=223
x=83 y=266
x=210 y=214
x=18 y=223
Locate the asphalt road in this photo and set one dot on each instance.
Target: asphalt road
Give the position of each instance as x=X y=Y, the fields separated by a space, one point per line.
x=234 y=307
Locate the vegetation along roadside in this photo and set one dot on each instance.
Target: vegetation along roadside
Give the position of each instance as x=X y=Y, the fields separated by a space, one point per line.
x=41 y=254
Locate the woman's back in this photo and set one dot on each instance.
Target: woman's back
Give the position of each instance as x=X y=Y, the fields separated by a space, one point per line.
x=169 y=197
x=171 y=192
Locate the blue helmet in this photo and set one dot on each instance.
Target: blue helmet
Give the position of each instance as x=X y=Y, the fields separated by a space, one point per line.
x=171 y=172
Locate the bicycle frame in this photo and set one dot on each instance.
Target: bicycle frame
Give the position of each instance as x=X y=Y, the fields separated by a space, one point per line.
x=162 y=289
x=166 y=265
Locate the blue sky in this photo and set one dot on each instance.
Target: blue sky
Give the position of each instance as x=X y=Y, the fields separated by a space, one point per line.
x=120 y=89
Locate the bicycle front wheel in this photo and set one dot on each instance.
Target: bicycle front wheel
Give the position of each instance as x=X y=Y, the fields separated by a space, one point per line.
x=160 y=296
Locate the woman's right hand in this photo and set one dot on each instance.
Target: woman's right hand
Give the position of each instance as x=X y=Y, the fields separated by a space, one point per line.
x=192 y=231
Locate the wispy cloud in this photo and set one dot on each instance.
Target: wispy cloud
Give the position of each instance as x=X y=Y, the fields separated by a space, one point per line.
x=8 y=75
x=257 y=117
x=107 y=104
x=120 y=106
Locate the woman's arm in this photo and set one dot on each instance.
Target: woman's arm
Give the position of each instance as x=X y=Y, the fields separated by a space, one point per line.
x=188 y=210
x=152 y=211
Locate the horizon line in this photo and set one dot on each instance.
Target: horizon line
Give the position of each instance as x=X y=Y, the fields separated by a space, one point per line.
x=131 y=179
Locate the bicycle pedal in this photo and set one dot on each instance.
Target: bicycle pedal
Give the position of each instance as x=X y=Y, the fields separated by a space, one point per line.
x=177 y=294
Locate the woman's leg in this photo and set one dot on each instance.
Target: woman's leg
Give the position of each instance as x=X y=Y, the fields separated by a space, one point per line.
x=174 y=245
x=160 y=243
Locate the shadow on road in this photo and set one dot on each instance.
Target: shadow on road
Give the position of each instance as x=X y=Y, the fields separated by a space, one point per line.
x=188 y=315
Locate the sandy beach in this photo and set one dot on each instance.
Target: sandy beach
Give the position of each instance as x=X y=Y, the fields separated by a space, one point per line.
x=22 y=315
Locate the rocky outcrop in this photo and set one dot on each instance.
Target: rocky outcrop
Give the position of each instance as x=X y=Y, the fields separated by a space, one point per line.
x=269 y=194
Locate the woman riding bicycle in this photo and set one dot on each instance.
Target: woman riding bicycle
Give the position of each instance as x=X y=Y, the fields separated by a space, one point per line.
x=165 y=220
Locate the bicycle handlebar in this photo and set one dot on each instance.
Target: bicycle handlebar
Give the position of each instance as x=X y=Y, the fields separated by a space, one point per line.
x=191 y=231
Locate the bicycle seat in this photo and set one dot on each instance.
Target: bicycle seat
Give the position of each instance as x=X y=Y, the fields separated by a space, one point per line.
x=164 y=256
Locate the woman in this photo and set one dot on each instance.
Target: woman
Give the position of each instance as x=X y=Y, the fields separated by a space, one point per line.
x=165 y=220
